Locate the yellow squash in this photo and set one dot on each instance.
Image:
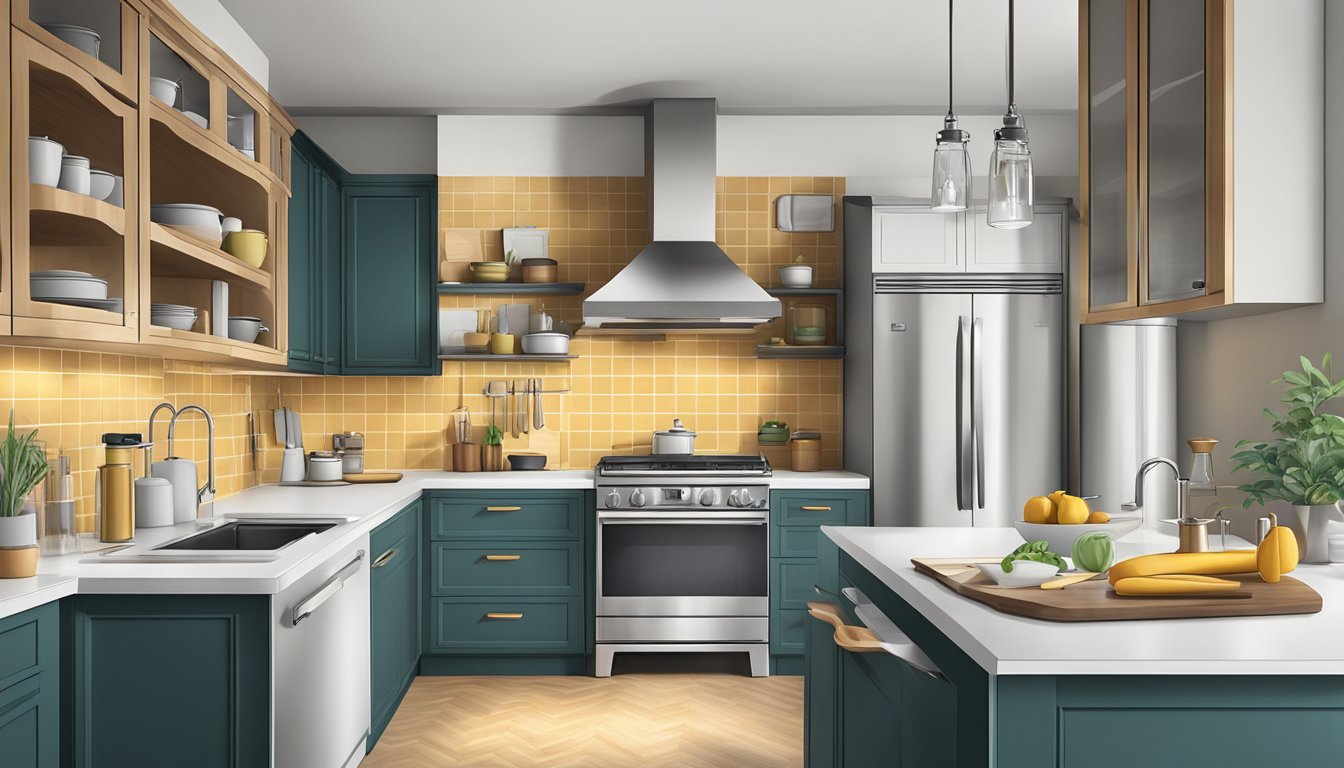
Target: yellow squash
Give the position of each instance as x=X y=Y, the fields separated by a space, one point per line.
x=1173 y=585
x=1097 y=517
x=1197 y=563
x=1278 y=553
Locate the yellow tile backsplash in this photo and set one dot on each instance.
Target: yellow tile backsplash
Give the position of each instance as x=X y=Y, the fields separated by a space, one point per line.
x=618 y=390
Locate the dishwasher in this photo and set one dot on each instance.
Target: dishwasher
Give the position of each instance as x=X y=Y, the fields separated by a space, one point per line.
x=320 y=681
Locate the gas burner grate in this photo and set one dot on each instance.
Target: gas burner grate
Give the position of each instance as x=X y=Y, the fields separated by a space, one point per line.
x=683 y=465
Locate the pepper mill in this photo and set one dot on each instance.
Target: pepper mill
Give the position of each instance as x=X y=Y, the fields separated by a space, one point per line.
x=116 y=489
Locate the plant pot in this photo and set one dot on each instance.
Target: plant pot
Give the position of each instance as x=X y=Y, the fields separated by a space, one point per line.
x=1315 y=519
x=492 y=458
x=18 y=562
x=19 y=531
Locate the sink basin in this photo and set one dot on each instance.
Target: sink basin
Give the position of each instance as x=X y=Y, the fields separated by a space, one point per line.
x=248 y=535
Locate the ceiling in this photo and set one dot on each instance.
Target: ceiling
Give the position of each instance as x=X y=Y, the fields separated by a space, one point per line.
x=755 y=56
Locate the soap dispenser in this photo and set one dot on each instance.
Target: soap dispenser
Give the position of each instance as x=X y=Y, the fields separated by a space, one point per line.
x=114 y=500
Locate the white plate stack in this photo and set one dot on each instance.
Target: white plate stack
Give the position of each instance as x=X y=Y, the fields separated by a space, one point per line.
x=177 y=316
x=68 y=286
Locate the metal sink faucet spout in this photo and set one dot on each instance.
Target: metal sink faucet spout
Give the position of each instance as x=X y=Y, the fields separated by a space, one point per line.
x=1182 y=486
x=206 y=495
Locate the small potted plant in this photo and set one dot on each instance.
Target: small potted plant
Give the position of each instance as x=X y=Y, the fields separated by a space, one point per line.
x=796 y=275
x=492 y=449
x=23 y=466
x=1305 y=465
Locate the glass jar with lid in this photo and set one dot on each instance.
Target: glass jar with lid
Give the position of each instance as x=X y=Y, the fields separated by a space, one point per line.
x=807 y=325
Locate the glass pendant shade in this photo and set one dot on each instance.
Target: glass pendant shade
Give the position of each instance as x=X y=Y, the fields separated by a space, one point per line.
x=1010 y=185
x=951 y=177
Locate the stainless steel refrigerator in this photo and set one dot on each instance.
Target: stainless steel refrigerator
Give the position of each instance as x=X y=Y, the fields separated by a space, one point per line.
x=955 y=399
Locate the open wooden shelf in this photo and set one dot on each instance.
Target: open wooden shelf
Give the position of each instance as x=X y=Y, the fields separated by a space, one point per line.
x=60 y=217
x=804 y=291
x=492 y=289
x=212 y=347
x=490 y=358
x=203 y=140
x=174 y=254
x=796 y=352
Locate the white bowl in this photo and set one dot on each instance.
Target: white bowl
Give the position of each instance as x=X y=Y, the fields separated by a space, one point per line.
x=795 y=276
x=74 y=174
x=163 y=89
x=101 y=184
x=246 y=329
x=66 y=284
x=83 y=38
x=44 y=161
x=199 y=221
x=178 y=322
x=1025 y=573
x=545 y=344
x=197 y=118
x=1061 y=537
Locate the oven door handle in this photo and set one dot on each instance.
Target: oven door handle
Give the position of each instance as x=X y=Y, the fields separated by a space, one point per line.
x=324 y=593
x=682 y=517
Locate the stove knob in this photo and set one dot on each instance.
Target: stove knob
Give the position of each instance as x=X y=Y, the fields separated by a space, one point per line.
x=613 y=500
x=709 y=497
x=744 y=498
x=637 y=498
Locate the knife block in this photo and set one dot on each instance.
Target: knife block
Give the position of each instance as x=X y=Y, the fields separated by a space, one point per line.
x=492 y=458
x=466 y=457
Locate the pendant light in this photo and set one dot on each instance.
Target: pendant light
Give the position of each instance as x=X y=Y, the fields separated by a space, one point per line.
x=1010 y=176
x=951 y=162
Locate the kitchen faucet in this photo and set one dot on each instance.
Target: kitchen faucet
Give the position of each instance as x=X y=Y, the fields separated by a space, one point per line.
x=1182 y=486
x=206 y=495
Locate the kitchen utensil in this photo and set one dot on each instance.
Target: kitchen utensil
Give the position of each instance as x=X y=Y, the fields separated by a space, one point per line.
x=100 y=184
x=1065 y=579
x=514 y=390
x=163 y=89
x=527 y=462
x=502 y=321
x=795 y=276
x=231 y=224
x=466 y=457
x=291 y=464
x=502 y=343
x=59 y=533
x=246 y=329
x=540 y=322
x=116 y=493
x=182 y=474
x=495 y=390
x=454 y=325
x=1025 y=573
x=773 y=433
x=153 y=502
x=199 y=221
x=44 y=161
x=461 y=421
x=66 y=284
x=324 y=467
x=350 y=447
x=520 y=319
x=83 y=38
x=253 y=441
x=678 y=440
x=247 y=246
x=107 y=305
x=476 y=343
x=74 y=174
x=546 y=344
x=281 y=425
x=373 y=477
x=219 y=308
x=523 y=424
x=488 y=271
x=1061 y=537
x=296 y=428
x=538 y=418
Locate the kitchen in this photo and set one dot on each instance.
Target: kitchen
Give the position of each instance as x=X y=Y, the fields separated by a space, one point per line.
x=385 y=389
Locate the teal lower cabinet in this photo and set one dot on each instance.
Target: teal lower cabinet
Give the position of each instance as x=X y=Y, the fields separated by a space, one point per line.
x=30 y=694
x=873 y=709
x=159 y=681
x=796 y=517
x=394 y=612
x=508 y=582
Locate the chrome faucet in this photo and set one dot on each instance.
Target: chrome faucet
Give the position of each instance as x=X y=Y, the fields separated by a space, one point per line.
x=206 y=495
x=1182 y=487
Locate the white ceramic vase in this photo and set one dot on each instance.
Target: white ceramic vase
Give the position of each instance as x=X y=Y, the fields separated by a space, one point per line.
x=1315 y=521
x=18 y=531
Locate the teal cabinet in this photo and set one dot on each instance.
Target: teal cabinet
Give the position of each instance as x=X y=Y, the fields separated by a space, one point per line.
x=796 y=517
x=314 y=259
x=395 y=613
x=496 y=515
x=389 y=300
x=161 y=681
x=30 y=718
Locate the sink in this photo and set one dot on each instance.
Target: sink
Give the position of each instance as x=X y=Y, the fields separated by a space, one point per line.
x=252 y=535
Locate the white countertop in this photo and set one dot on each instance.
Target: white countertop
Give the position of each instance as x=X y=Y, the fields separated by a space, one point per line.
x=1012 y=645
x=368 y=504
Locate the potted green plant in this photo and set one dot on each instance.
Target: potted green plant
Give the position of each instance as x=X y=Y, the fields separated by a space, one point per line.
x=492 y=449
x=23 y=465
x=1304 y=466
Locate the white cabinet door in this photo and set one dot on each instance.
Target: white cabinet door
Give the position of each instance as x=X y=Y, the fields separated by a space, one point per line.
x=916 y=240
x=1039 y=247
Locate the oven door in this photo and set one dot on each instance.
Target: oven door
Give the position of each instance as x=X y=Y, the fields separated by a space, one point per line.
x=683 y=563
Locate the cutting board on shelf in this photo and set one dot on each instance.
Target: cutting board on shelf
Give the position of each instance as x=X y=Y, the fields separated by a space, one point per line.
x=1095 y=601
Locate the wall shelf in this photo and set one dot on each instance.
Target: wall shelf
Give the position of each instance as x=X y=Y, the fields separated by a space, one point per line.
x=174 y=254
x=491 y=289
x=489 y=358
x=69 y=218
x=804 y=291
x=791 y=352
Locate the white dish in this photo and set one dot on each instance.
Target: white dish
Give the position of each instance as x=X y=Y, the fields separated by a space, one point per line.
x=545 y=344
x=200 y=221
x=163 y=89
x=44 y=161
x=108 y=305
x=197 y=118
x=1025 y=573
x=177 y=322
x=66 y=286
x=1061 y=537
x=83 y=38
x=101 y=184
x=795 y=276
x=74 y=174
x=166 y=309
x=246 y=329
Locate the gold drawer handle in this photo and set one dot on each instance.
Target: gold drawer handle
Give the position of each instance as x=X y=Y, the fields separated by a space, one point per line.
x=509 y=616
x=816 y=509
x=502 y=509
x=502 y=558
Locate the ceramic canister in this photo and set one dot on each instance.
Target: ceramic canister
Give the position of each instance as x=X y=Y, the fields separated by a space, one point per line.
x=153 y=502
x=182 y=474
x=74 y=174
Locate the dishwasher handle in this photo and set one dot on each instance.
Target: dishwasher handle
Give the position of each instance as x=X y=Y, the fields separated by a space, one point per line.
x=308 y=605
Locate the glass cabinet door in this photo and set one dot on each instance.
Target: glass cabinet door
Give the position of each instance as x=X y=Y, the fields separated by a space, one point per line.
x=1173 y=149
x=1111 y=250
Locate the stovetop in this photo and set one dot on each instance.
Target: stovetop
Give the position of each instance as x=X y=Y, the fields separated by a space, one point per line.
x=685 y=465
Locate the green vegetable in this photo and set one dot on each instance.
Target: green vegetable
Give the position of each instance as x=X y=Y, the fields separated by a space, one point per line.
x=23 y=464
x=1035 y=551
x=1094 y=551
x=493 y=436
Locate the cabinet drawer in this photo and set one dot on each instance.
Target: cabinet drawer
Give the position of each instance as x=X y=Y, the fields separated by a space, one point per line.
x=791 y=582
x=510 y=568
x=795 y=541
x=788 y=631
x=27 y=643
x=816 y=508
x=520 y=625
x=397 y=528
x=510 y=514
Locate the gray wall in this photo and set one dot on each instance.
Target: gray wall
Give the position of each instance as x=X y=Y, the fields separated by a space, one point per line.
x=381 y=144
x=1226 y=368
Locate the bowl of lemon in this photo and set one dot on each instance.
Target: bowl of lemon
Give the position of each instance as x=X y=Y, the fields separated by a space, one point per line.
x=1060 y=519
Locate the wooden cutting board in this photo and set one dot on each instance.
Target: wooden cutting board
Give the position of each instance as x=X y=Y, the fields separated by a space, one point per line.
x=372 y=477
x=1096 y=601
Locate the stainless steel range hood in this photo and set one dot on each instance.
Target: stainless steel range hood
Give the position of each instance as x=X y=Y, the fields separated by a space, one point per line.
x=682 y=281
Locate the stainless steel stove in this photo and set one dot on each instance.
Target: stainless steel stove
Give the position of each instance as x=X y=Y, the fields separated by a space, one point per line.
x=683 y=554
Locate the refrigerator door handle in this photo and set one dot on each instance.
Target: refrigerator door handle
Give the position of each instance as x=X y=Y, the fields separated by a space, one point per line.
x=964 y=501
x=978 y=407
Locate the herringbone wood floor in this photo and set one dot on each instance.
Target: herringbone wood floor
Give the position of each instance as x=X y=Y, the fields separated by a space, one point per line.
x=625 y=721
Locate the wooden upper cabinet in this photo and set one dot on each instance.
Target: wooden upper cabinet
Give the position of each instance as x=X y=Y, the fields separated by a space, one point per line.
x=63 y=26
x=1186 y=208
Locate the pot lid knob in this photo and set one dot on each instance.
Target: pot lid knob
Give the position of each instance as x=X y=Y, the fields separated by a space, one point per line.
x=677 y=426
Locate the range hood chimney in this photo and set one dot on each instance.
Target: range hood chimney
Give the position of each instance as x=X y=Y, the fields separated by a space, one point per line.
x=682 y=281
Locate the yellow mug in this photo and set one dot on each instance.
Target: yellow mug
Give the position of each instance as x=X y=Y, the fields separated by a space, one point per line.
x=502 y=343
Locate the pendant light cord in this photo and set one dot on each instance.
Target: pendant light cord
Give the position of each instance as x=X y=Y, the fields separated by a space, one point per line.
x=949 y=58
x=1012 y=103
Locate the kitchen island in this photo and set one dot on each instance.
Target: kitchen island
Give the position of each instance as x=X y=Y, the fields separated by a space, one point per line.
x=1013 y=691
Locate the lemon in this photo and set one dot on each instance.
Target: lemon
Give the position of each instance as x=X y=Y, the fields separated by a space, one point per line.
x=1054 y=506
x=1098 y=517
x=1038 y=509
x=1072 y=510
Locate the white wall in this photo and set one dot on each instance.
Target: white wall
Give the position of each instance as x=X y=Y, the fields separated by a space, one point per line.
x=217 y=24
x=540 y=145
x=383 y=144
